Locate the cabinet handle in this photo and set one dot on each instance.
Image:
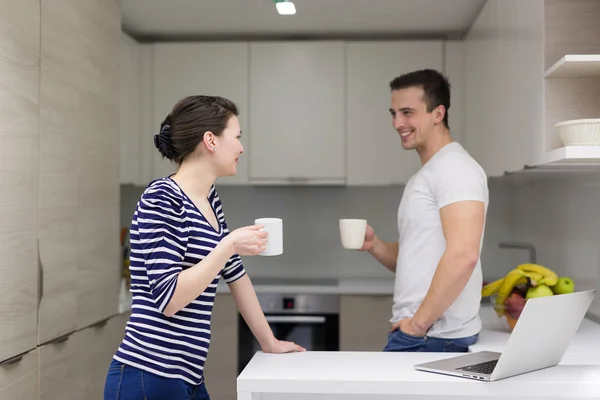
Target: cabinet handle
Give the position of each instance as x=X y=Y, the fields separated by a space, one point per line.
x=61 y=339
x=100 y=323
x=40 y=276
x=13 y=360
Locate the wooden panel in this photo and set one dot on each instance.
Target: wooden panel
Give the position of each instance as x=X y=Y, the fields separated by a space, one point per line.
x=19 y=113
x=571 y=27
x=364 y=322
x=220 y=370
x=58 y=370
x=97 y=156
x=60 y=124
x=79 y=199
x=19 y=380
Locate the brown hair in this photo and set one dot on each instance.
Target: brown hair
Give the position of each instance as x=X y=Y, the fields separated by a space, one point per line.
x=184 y=128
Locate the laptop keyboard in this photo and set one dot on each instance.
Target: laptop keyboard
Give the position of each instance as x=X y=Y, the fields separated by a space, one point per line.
x=483 y=368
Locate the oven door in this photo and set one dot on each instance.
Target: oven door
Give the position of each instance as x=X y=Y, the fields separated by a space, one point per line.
x=314 y=332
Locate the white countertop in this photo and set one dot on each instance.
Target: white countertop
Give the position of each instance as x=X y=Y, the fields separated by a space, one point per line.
x=341 y=375
x=382 y=373
x=367 y=286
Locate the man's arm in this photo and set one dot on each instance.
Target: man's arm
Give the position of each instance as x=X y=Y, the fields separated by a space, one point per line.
x=248 y=305
x=462 y=224
x=385 y=252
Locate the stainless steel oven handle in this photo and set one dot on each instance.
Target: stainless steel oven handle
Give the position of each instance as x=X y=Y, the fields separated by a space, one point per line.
x=300 y=319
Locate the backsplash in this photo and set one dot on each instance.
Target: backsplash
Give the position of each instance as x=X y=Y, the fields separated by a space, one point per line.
x=312 y=246
x=562 y=220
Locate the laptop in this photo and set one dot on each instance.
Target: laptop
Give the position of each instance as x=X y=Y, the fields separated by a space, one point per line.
x=539 y=340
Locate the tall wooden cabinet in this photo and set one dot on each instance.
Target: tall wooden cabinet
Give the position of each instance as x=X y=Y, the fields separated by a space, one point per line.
x=59 y=197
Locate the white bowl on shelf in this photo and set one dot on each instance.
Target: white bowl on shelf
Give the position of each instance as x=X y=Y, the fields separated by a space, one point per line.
x=579 y=132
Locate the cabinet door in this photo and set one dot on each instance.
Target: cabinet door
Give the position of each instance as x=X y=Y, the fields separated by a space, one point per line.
x=79 y=166
x=364 y=322
x=98 y=209
x=61 y=124
x=183 y=69
x=58 y=369
x=221 y=365
x=297 y=129
x=19 y=110
x=19 y=379
x=375 y=153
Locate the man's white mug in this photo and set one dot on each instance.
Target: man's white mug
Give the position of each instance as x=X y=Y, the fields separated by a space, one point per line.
x=274 y=227
x=352 y=232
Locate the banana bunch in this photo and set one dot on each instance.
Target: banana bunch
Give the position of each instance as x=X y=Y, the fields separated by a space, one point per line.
x=532 y=274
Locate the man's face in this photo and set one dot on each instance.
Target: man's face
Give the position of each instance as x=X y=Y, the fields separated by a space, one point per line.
x=410 y=117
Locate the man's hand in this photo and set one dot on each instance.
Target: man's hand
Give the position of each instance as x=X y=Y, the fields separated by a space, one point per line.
x=408 y=326
x=281 y=346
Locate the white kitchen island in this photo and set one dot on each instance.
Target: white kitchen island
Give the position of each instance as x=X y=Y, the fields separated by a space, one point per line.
x=379 y=375
x=386 y=376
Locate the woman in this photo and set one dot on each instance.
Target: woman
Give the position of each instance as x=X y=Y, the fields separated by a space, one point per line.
x=180 y=248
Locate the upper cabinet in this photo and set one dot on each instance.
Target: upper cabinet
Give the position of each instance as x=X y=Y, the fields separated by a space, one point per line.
x=297 y=114
x=311 y=112
x=374 y=150
x=530 y=65
x=185 y=69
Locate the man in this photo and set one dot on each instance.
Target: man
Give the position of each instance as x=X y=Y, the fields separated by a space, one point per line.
x=441 y=220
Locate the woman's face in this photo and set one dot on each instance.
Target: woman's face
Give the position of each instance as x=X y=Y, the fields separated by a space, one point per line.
x=228 y=148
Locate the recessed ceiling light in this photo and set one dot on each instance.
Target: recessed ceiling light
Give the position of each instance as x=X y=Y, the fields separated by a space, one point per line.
x=285 y=7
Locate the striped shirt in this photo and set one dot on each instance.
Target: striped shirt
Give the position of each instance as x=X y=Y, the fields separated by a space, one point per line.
x=169 y=234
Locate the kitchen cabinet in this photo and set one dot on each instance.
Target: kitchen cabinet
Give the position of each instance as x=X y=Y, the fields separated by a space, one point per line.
x=79 y=165
x=297 y=117
x=183 y=69
x=364 y=322
x=374 y=150
x=19 y=108
x=19 y=379
x=59 y=176
x=221 y=367
x=519 y=83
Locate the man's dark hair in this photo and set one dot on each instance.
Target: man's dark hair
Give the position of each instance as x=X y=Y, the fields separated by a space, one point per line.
x=435 y=86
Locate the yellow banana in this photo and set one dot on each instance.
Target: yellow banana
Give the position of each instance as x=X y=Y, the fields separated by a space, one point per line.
x=491 y=288
x=534 y=277
x=549 y=277
x=513 y=278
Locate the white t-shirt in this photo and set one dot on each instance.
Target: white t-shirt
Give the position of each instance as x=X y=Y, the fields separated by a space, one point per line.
x=451 y=175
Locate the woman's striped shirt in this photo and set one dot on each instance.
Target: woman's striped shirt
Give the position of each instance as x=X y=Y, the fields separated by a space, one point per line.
x=169 y=234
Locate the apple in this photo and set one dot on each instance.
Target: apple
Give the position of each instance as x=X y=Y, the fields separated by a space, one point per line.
x=539 y=291
x=514 y=305
x=564 y=285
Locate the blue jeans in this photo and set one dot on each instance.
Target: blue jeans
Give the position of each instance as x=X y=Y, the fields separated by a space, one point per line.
x=124 y=382
x=400 y=341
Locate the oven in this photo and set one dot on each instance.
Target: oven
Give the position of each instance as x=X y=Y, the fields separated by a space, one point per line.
x=310 y=320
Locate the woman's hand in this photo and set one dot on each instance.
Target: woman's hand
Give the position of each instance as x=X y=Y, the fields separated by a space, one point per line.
x=280 y=346
x=247 y=241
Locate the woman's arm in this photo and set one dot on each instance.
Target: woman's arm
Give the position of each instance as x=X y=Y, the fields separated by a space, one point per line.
x=248 y=305
x=192 y=282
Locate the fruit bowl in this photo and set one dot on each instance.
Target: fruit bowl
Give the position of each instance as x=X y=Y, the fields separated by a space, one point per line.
x=509 y=294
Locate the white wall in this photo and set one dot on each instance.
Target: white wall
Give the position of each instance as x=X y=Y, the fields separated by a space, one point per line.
x=561 y=219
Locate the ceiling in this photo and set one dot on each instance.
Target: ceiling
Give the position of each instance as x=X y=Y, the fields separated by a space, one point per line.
x=152 y=20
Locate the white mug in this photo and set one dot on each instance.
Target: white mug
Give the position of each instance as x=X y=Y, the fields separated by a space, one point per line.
x=352 y=232
x=274 y=227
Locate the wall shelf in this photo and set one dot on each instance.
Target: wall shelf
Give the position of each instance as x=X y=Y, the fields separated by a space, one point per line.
x=576 y=66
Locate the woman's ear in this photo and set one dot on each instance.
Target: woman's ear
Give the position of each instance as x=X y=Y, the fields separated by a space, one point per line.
x=210 y=141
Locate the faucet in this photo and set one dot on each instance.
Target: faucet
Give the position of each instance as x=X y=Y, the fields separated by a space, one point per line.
x=521 y=245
